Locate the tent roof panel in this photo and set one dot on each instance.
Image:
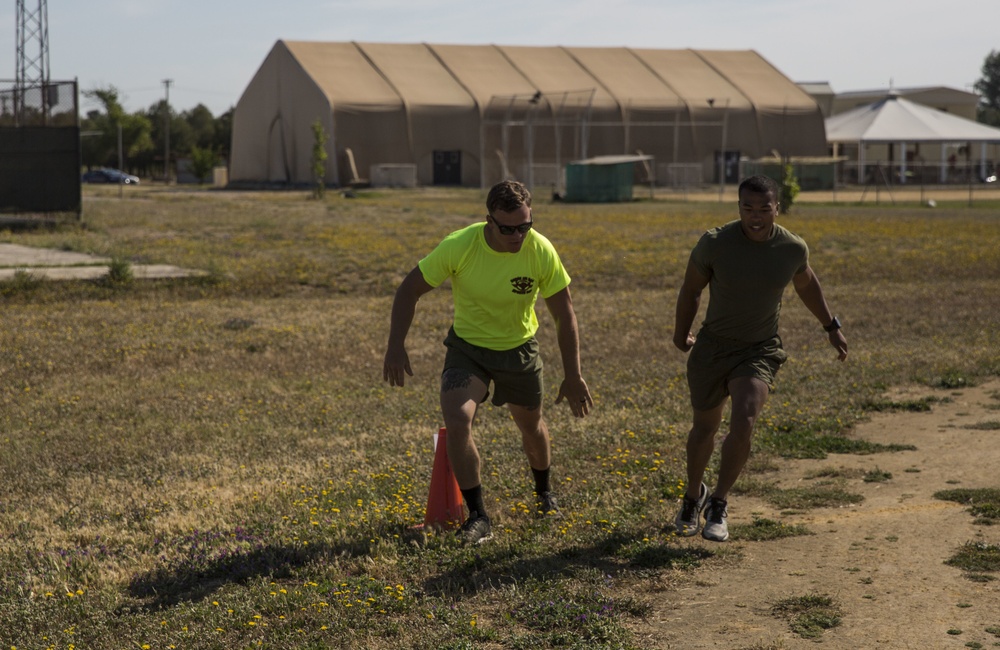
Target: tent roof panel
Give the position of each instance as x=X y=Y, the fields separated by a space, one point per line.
x=758 y=80
x=483 y=71
x=626 y=77
x=691 y=78
x=344 y=75
x=417 y=75
x=446 y=75
x=552 y=70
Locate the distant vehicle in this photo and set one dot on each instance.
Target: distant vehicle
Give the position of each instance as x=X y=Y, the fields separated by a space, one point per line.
x=107 y=175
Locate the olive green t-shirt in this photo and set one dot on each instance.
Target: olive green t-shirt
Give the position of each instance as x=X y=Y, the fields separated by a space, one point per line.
x=747 y=279
x=495 y=293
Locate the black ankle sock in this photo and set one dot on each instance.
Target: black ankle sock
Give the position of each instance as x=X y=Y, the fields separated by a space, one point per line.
x=474 y=500
x=541 y=480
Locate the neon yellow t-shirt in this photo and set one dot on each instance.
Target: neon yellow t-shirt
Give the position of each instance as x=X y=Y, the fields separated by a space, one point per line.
x=494 y=293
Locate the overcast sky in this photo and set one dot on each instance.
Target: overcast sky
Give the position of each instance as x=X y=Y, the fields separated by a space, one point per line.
x=210 y=49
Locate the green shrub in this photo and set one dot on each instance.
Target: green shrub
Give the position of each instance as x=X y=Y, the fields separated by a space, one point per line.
x=789 y=189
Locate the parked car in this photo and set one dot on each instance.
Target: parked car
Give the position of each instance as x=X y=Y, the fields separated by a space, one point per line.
x=107 y=175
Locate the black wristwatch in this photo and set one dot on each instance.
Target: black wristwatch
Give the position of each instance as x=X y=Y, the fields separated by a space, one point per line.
x=833 y=326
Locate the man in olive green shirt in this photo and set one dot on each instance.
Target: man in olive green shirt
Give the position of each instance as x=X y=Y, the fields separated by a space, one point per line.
x=746 y=264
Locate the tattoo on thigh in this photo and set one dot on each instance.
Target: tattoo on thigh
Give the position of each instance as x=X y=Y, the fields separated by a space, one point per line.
x=455 y=378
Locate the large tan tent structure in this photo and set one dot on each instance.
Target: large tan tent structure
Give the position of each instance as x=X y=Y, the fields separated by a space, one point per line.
x=474 y=114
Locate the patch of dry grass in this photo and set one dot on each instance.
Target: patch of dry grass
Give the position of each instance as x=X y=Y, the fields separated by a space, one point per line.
x=170 y=478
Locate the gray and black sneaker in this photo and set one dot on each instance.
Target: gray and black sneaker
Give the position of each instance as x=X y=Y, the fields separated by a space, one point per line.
x=688 y=519
x=547 y=506
x=476 y=529
x=715 y=528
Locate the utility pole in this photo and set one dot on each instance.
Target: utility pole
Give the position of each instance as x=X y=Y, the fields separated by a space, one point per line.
x=166 y=133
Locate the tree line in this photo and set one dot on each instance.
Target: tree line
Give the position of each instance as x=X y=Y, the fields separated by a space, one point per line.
x=195 y=135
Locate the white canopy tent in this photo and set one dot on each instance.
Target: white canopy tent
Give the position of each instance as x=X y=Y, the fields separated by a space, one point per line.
x=897 y=120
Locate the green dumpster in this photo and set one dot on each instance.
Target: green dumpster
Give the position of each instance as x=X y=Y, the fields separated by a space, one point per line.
x=602 y=179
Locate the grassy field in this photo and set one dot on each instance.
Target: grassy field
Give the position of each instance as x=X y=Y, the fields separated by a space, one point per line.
x=217 y=463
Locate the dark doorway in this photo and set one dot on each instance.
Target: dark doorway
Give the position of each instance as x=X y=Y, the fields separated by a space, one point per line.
x=730 y=166
x=447 y=167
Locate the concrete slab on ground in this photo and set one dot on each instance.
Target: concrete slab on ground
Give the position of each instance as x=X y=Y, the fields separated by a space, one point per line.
x=52 y=264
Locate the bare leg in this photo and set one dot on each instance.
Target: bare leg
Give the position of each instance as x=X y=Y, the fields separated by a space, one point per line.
x=534 y=435
x=461 y=392
x=700 y=445
x=748 y=395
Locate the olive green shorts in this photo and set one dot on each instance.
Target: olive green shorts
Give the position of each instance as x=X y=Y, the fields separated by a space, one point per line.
x=516 y=374
x=714 y=361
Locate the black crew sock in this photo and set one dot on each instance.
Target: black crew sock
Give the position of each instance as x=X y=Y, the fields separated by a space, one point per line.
x=474 y=500
x=541 y=480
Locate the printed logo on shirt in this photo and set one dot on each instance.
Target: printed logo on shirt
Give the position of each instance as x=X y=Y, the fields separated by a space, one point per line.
x=522 y=285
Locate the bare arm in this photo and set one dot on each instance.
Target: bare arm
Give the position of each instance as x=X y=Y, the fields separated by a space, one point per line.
x=688 y=300
x=811 y=293
x=404 y=305
x=573 y=388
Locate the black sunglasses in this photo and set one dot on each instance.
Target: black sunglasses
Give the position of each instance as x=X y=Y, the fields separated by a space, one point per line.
x=510 y=230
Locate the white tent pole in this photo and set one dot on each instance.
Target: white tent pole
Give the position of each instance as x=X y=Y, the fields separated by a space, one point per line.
x=836 y=169
x=943 y=174
x=902 y=163
x=861 y=162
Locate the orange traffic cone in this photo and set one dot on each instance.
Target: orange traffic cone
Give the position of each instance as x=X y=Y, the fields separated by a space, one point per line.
x=444 y=502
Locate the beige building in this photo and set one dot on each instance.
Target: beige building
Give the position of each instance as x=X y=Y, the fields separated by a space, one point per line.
x=948 y=100
x=822 y=92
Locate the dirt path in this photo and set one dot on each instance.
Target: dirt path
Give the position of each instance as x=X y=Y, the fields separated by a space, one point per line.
x=882 y=561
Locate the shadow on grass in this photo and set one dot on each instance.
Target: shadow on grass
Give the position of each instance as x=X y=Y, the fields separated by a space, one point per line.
x=209 y=560
x=495 y=566
x=170 y=585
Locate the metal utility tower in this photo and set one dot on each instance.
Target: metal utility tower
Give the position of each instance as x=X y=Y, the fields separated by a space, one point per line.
x=32 y=57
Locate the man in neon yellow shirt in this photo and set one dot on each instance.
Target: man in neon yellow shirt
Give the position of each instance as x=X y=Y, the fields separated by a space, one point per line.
x=498 y=268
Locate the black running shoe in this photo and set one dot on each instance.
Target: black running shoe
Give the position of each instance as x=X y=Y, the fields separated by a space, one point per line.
x=547 y=505
x=476 y=529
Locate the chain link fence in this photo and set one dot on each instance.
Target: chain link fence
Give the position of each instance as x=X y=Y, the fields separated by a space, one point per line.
x=53 y=104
